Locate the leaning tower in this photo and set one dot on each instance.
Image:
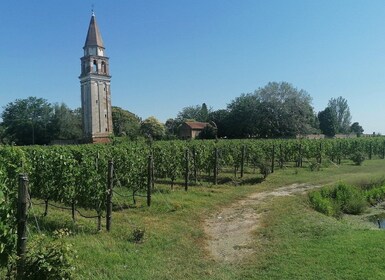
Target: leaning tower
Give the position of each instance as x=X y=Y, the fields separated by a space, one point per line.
x=95 y=82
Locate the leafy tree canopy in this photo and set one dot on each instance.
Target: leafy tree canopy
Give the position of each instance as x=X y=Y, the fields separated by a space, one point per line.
x=328 y=122
x=356 y=128
x=221 y=119
x=65 y=123
x=35 y=121
x=26 y=121
x=199 y=113
x=172 y=128
x=208 y=132
x=340 y=109
x=276 y=110
x=125 y=123
x=153 y=128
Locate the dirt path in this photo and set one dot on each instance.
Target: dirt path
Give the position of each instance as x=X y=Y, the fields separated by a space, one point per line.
x=230 y=230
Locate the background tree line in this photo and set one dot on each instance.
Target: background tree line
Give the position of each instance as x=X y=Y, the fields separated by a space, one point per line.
x=274 y=111
x=33 y=121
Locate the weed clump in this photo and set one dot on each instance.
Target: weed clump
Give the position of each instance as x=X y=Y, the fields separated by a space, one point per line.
x=358 y=157
x=264 y=169
x=314 y=166
x=322 y=204
x=137 y=235
x=338 y=200
x=54 y=259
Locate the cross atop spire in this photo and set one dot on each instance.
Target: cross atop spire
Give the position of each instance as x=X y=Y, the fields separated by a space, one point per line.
x=94 y=38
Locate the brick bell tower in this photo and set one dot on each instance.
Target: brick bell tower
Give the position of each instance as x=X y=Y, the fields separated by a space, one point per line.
x=95 y=82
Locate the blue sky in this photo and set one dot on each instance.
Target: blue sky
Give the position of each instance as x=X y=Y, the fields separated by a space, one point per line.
x=169 y=54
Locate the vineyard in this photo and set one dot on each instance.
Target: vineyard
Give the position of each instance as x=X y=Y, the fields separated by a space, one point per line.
x=86 y=178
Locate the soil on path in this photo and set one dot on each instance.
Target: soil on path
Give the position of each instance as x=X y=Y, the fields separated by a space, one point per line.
x=230 y=229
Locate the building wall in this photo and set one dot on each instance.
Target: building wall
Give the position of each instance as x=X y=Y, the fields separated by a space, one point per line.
x=195 y=133
x=185 y=131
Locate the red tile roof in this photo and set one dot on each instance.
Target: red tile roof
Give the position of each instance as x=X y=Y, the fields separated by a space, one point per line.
x=197 y=125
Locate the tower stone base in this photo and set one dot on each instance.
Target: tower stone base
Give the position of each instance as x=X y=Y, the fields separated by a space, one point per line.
x=103 y=139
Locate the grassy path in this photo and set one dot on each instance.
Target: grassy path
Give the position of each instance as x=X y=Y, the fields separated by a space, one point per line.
x=230 y=230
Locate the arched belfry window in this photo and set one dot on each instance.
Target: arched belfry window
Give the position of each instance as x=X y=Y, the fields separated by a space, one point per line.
x=104 y=67
x=95 y=67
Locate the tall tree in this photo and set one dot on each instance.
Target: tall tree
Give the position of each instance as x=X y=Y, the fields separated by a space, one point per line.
x=125 y=123
x=208 y=132
x=65 y=123
x=220 y=119
x=340 y=108
x=276 y=110
x=243 y=116
x=172 y=128
x=26 y=121
x=152 y=127
x=357 y=129
x=288 y=110
x=189 y=113
x=328 y=122
x=3 y=139
x=204 y=113
x=197 y=113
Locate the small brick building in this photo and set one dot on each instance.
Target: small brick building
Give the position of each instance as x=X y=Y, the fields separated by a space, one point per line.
x=190 y=130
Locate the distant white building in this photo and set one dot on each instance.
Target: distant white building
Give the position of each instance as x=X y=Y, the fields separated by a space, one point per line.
x=95 y=82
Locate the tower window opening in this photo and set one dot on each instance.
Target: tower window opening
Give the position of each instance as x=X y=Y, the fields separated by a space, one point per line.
x=104 y=67
x=95 y=67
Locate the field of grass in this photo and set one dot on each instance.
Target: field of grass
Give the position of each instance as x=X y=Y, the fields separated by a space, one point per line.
x=295 y=242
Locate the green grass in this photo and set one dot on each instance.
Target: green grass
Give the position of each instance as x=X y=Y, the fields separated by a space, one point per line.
x=295 y=241
x=308 y=245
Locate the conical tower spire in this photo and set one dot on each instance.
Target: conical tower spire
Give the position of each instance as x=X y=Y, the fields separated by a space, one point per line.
x=94 y=38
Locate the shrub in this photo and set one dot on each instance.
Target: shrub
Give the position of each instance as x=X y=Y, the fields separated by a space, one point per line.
x=264 y=169
x=47 y=260
x=375 y=195
x=358 y=157
x=137 y=235
x=350 y=199
x=322 y=204
x=337 y=200
x=314 y=166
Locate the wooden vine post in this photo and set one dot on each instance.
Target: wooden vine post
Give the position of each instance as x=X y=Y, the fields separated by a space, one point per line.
x=187 y=170
x=152 y=173
x=110 y=185
x=273 y=159
x=243 y=159
x=194 y=154
x=383 y=150
x=150 y=179
x=370 y=150
x=320 y=153
x=339 y=153
x=73 y=213
x=280 y=156
x=45 y=207
x=299 y=163
x=22 y=207
x=215 y=166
